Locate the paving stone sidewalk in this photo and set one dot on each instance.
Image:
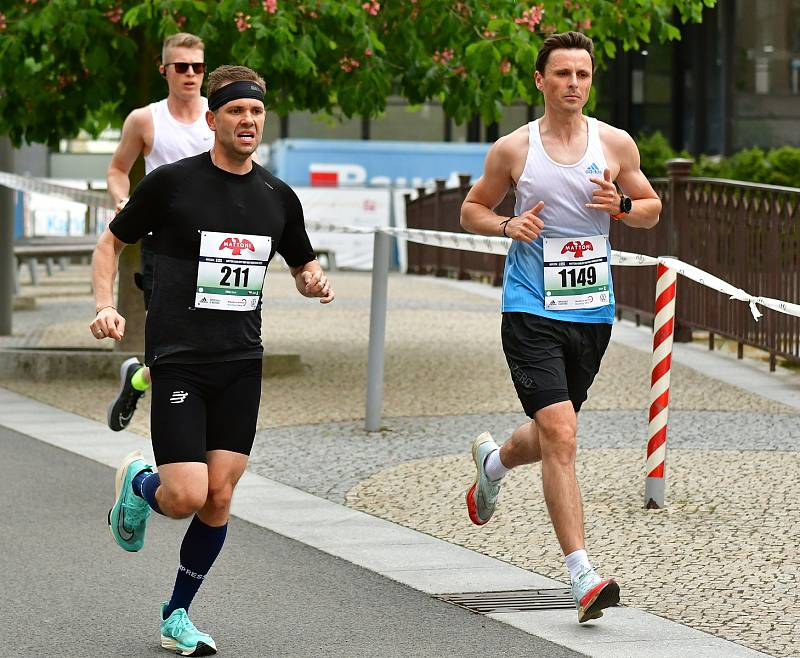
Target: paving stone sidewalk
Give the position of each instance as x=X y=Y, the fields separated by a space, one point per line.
x=722 y=557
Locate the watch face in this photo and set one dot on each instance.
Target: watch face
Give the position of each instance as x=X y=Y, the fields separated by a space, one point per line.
x=625 y=204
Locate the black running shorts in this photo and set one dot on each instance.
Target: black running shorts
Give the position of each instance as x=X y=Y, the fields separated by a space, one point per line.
x=552 y=360
x=205 y=406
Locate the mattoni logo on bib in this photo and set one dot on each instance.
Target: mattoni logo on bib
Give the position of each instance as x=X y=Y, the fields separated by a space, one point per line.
x=577 y=247
x=236 y=245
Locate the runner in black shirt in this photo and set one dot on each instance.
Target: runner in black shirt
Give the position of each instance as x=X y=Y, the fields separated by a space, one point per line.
x=217 y=219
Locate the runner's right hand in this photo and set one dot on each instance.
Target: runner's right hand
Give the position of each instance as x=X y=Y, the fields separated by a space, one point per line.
x=121 y=204
x=108 y=323
x=527 y=226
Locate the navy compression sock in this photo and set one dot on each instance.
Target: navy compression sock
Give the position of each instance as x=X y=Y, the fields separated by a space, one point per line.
x=201 y=545
x=145 y=485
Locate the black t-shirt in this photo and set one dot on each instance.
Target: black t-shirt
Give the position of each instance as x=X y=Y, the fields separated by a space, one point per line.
x=178 y=201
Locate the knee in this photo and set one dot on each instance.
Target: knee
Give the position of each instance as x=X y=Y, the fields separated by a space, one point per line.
x=219 y=498
x=183 y=502
x=559 y=443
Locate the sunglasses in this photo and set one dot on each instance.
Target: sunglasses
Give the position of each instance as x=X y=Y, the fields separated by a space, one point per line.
x=183 y=67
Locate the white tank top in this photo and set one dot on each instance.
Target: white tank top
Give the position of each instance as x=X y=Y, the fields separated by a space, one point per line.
x=173 y=140
x=565 y=189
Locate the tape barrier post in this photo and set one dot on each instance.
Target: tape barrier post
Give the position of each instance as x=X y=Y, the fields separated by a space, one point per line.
x=663 y=331
x=377 y=330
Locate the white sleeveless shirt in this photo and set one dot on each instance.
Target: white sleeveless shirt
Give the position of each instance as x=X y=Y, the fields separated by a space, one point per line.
x=565 y=189
x=173 y=140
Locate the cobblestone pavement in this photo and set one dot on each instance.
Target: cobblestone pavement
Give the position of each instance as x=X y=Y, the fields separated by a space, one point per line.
x=722 y=557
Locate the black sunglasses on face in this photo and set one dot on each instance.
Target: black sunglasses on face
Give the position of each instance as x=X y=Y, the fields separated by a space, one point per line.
x=183 y=67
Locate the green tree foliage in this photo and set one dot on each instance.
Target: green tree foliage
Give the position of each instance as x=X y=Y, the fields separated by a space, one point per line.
x=72 y=64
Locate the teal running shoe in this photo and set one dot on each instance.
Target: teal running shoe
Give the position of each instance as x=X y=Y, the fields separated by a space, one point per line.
x=127 y=520
x=179 y=634
x=591 y=594
x=482 y=495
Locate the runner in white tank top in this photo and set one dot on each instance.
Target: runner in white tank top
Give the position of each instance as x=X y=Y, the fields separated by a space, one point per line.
x=174 y=140
x=557 y=290
x=164 y=132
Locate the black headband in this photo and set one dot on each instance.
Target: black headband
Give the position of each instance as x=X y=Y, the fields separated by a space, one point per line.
x=234 y=90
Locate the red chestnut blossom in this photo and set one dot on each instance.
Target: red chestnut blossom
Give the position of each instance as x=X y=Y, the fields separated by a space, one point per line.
x=444 y=56
x=270 y=6
x=3 y=24
x=372 y=7
x=242 y=21
x=505 y=67
x=368 y=52
x=531 y=17
x=114 y=15
x=585 y=25
x=347 y=64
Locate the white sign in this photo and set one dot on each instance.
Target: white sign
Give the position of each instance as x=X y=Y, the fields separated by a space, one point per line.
x=358 y=207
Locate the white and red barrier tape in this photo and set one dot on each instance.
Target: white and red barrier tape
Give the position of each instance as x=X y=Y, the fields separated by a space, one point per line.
x=664 y=322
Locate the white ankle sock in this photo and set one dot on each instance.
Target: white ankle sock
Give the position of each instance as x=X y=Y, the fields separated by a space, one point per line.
x=494 y=467
x=577 y=561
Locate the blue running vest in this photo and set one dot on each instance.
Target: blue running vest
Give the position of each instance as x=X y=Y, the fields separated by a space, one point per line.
x=564 y=189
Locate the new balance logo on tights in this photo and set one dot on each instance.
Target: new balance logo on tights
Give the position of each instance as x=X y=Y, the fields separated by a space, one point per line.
x=178 y=397
x=593 y=169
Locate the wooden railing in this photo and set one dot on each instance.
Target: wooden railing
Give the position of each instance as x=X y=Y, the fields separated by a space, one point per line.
x=743 y=233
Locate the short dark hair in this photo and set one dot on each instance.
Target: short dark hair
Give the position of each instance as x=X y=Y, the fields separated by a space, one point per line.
x=571 y=40
x=227 y=73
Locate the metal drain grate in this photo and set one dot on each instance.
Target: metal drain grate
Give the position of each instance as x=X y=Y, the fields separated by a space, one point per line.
x=513 y=601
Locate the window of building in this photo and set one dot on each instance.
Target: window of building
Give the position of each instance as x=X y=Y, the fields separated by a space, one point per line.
x=768 y=47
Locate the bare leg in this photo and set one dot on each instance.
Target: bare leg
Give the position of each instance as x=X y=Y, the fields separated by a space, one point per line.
x=146 y=375
x=557 y=428
x=183 y=489
x=522 y=448
x=224 y=470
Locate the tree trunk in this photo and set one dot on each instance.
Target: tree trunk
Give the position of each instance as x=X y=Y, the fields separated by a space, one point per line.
x=130 y=300
x=7 y=261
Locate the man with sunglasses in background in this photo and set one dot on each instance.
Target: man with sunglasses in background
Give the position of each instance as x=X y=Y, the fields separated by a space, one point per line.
x=164 y=132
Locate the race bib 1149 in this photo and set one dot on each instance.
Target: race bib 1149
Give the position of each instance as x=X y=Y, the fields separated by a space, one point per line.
x=575 y=273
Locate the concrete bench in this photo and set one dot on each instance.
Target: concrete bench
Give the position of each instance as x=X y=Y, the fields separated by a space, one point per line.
x=30 y=250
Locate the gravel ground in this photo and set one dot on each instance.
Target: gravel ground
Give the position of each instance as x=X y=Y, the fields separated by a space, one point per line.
x=722 y=557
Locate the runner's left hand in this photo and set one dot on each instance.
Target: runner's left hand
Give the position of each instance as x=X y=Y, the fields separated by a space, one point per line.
x=317 y=285
x=605 y=197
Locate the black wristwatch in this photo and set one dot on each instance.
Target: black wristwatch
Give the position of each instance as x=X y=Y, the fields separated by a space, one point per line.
x=625 y=206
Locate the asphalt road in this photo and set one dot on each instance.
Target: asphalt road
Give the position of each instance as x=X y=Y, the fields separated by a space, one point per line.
x=68 y=590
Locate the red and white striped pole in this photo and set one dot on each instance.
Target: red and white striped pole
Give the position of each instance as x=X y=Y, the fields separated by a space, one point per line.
x=663 y=331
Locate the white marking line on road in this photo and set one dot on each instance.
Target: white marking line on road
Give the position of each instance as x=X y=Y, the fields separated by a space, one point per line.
x=420 y=561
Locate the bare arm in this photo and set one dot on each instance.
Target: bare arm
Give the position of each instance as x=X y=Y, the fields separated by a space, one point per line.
x=135 y=134
x=105 y=262
x=477 y=211
x=312 y=282
x=646 y=206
